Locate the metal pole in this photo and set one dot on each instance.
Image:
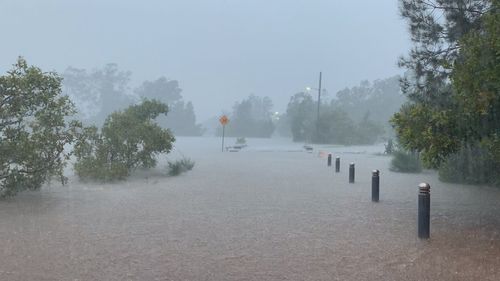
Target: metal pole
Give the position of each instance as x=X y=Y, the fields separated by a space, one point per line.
x=375 y=185
x=337 y=164
x=351 y=172
x=424 y=210
x=329 y=160
x=223 y=131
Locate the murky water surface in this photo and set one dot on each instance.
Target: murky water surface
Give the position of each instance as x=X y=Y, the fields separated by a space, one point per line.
x=268 y=212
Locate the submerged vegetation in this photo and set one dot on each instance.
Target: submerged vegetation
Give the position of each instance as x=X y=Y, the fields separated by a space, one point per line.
x=405 y=162
x=178 y=167
x=33 y=128
x=128 y=139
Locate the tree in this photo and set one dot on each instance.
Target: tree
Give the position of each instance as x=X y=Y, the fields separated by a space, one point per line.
x=334 y=124
x=436 y=28
x=181 y=119
x=476 y=78
x=99 y=92
x=300 y=113
x=251 y=118
x=380 y=99
x=33 y=128
x=454 y=87
x=162 y=89
x=128 y=139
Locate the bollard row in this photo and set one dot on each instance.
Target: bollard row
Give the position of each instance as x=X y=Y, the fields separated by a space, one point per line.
x=424 y=196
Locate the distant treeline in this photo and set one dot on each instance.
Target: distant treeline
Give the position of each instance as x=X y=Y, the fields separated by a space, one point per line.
x=357 y=115
x=99 y=92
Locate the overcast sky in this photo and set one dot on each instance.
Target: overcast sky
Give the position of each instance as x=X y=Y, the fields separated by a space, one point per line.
x=219 y=50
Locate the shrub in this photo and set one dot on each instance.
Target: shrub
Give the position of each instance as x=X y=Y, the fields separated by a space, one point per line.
x=473 y=164
x=180 y=166
x=405 y=162
x=241 y=140
x=128 y=139
x=33 y=128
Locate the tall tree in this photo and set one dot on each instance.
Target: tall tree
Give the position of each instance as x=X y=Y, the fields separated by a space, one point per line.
x=453 y=90
x=252 y=118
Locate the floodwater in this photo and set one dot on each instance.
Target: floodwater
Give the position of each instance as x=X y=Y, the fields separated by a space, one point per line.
x=268 y=212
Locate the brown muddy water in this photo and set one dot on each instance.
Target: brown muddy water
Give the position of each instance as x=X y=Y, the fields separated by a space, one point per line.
x=268 y=212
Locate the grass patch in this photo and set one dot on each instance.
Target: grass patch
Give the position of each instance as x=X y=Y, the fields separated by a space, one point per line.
x=180 y=166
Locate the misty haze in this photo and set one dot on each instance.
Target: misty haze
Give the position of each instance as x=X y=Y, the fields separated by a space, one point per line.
x=250 y=140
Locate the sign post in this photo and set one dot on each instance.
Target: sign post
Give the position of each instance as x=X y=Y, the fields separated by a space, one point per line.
x=223 y=121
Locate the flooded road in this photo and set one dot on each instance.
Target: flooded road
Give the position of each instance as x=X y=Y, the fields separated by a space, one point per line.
x=268 y=212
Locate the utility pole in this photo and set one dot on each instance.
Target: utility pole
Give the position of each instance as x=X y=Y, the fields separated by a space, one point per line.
x=319 y=104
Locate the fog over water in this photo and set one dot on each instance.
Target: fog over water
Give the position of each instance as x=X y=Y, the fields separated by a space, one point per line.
x=220 y=51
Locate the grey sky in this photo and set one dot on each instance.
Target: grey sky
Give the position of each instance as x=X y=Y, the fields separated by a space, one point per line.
x=219 y=50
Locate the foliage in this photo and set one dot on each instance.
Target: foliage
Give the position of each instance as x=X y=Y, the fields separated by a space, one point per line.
x=454 y=87
x=378 y=99
x=476 y=78
x=180 y=166
x=241 y=141
x=162 y=89
x=99 y=92
x=251 y=118
x=421 y=128
x=473 y=164
x=33 y=128
x=128 y=139
x=181 y=118
x=333 y=126
x=405 y=162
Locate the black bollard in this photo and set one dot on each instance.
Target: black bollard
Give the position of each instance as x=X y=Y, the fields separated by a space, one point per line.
x=424 y=210
x=329 y=160
x=337 y=164
x=375 y=185
x=351 y=172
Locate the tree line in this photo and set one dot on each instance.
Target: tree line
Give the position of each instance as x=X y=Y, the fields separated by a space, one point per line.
x=99 y=92
x=356 y=115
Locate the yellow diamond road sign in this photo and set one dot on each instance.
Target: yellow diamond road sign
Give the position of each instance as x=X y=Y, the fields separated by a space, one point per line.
x=224 y=120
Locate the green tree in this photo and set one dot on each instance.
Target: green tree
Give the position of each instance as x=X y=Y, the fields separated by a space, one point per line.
x=128 y=139
x=428 y=123
x=33 y=128
x=476 y=78
x=454 y=87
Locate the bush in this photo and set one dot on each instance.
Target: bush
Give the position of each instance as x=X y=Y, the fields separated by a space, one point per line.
x=128 y=139
x=34 y=128
x=180 y=166
x=472 y=165
x=405 y=162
